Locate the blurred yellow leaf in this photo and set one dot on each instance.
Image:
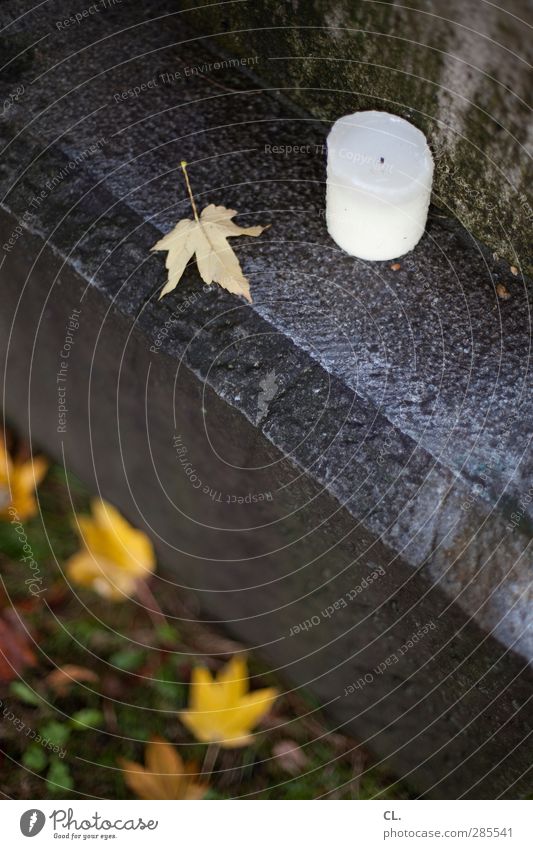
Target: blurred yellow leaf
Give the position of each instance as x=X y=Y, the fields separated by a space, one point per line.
x=18 y=481
x=165 y=775
x=115 y=557
x=207 y=237
x=222 y=710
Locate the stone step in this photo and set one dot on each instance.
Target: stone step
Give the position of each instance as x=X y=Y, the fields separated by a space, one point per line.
x=340 y=472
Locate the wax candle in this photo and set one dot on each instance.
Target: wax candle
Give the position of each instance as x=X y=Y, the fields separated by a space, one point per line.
x=380 y=170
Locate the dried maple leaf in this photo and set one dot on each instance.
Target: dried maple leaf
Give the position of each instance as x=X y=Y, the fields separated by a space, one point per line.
x=207 y=237
x=15 y=651
x=165 y=775
x=63 y=678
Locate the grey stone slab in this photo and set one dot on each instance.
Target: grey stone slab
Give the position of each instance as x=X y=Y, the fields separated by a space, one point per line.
x=383 y=416
x=459 y=69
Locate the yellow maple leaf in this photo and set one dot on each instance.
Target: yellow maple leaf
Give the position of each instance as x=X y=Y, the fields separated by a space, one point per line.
x=165 y=775
x=115 y=556
x=222 y=710
x=207 y=237
x=18 y=481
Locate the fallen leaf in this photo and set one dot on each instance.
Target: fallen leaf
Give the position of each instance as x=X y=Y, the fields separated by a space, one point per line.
x=24 y=693
x=503 y=292
x=15 y=651
x=290 y=756
x=223 y=710
x=18 y=481
x=395 y=266
x=165 y=775
x=115 y=558
x=62 y=679
x=514 y=270
x=207 y=237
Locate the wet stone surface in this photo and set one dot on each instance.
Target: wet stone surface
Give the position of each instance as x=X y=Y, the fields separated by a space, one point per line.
x=353 y=418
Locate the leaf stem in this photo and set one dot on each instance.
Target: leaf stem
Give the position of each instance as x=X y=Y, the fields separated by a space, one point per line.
x=149 y=602
x=184 y=169
x=210 y=759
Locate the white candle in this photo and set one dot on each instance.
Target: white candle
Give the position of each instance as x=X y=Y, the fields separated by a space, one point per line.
x=380 y=170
